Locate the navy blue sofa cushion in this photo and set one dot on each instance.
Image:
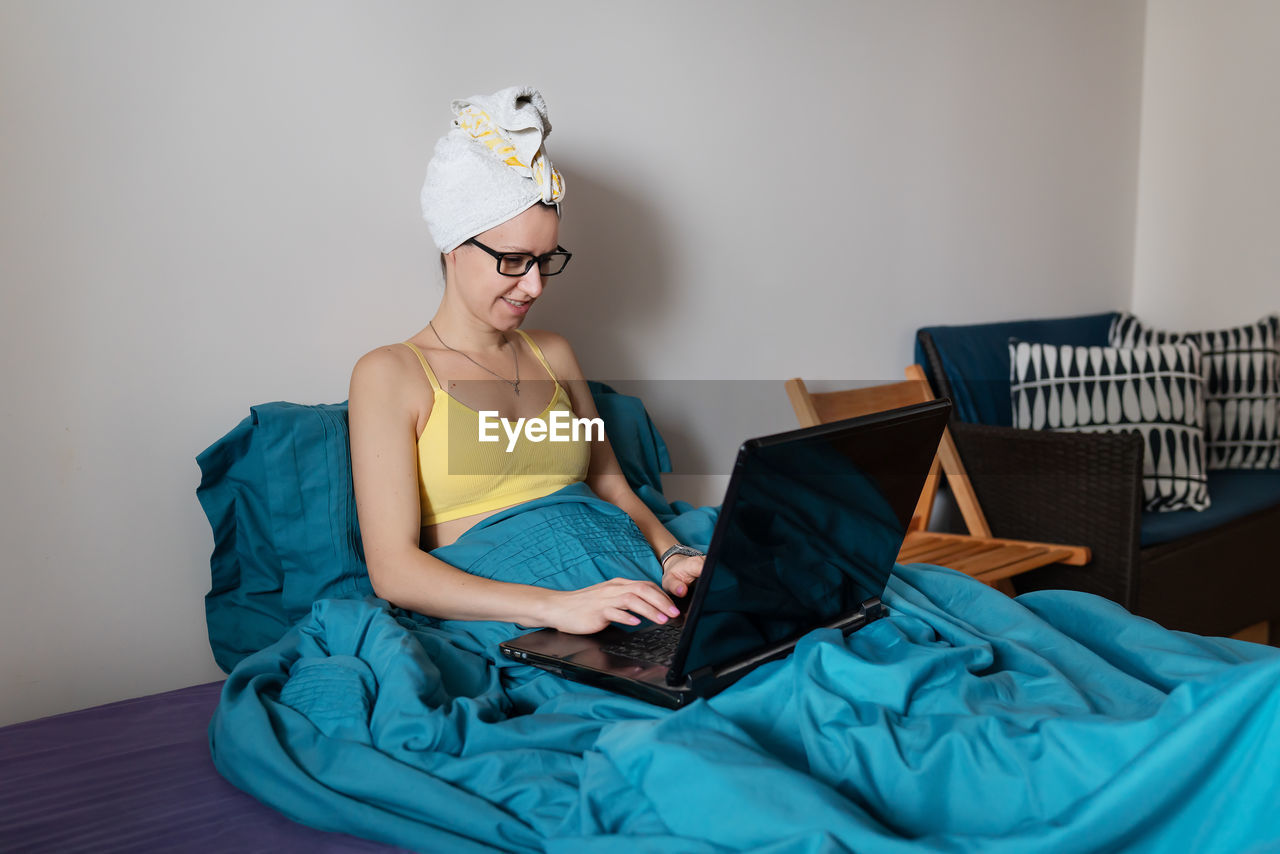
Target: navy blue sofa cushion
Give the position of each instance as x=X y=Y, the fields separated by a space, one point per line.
x=976 y=358
x=1235 y=492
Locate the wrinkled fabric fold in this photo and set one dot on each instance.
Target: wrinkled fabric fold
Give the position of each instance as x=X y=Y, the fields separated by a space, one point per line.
x=963 y=721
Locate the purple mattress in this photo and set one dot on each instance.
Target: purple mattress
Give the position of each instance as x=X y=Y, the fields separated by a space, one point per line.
x=136 y=776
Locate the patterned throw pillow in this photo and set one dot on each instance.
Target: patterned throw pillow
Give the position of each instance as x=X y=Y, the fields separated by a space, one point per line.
x=1156 y=391
x=1242 y=387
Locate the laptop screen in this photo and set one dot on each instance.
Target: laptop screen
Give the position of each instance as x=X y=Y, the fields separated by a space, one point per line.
x=810 y=531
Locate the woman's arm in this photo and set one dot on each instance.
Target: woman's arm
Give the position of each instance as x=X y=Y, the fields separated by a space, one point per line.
x=605 y=475
x=383 y=426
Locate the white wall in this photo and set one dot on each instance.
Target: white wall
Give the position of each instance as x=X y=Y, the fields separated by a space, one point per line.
x=210 y=205
x=1209 y=199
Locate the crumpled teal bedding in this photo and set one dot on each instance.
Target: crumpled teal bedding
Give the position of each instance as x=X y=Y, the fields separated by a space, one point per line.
x=964 y=721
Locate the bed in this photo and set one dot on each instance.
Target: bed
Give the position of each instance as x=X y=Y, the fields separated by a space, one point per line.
x=137 y=776
x=963 y=721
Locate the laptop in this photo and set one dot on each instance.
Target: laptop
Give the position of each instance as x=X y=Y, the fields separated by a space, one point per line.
x=807 y=537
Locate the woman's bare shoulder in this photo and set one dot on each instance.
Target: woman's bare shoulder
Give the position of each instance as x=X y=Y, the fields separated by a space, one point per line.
x=386 y=363
x=555 y=347
x=391 y=372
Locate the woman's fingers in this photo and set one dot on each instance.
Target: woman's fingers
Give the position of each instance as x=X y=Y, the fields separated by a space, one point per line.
x=615 y=615
x=682 y=572
x=650 y=602
x=619 y=600
x=643 y=598
x=674 y=585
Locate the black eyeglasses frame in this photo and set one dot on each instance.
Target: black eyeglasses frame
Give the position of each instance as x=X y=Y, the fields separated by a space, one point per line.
x=538 y=259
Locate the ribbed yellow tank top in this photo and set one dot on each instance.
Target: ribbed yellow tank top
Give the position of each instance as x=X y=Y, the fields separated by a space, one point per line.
x=458 y=475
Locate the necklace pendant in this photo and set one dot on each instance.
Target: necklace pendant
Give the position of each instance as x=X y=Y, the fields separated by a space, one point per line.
x=516 y=385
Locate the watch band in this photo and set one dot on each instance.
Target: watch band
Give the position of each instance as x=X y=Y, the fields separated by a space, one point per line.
x=678 y=549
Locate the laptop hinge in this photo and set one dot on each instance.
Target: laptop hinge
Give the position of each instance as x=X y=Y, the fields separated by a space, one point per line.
x=701 y=679
x=870 y=611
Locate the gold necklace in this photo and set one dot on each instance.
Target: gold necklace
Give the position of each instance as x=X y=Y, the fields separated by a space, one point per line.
x=515 y=384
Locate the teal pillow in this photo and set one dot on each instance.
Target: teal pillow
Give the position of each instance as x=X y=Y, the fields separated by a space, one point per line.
x=278 y=495
x=277 y=492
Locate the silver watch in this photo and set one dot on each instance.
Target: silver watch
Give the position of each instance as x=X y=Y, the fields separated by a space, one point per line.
x=678 y=549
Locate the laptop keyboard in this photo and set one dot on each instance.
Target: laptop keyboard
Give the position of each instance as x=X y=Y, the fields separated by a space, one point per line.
x=655 y=646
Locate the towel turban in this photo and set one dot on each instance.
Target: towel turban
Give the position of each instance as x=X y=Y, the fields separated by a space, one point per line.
x=490 y=167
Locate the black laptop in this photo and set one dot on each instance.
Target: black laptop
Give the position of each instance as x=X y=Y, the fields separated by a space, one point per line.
x=806 y=538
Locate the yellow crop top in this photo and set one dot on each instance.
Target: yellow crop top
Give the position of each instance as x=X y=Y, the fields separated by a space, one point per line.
x=458 y=475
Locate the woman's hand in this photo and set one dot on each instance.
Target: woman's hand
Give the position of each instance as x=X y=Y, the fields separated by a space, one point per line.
x=618 y=600
x=681 y=571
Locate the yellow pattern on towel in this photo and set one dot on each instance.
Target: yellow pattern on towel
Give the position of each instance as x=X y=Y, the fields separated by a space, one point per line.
x=479 y=125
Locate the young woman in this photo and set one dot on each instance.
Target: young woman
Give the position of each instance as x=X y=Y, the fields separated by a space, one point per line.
x=422 y=475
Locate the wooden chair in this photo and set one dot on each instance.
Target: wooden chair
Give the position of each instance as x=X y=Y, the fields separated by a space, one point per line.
x=989 y=559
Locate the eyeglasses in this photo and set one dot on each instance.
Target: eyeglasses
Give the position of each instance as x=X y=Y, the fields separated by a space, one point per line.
x=516 y=264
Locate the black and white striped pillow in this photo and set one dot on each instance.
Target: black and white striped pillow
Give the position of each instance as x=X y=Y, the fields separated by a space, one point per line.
x=1157 y=391
x=1242 y=387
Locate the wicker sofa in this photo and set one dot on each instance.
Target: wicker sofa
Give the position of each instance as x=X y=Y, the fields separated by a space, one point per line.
x=1212 y=572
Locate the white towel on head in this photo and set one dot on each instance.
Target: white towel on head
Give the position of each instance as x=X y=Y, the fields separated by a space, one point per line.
x=492 y=166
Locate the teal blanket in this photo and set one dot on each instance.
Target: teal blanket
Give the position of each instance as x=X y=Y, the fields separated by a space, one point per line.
x=964 y=721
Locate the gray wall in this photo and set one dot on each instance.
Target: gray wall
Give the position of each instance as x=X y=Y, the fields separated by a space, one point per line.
x=1207 y=250
x=211 y=205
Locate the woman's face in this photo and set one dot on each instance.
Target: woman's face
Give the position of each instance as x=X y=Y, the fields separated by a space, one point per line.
x=503 y=301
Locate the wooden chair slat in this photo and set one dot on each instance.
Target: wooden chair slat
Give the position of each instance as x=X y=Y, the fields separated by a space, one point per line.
x=1019 y=566
x=996 y=558
x=942 y=554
